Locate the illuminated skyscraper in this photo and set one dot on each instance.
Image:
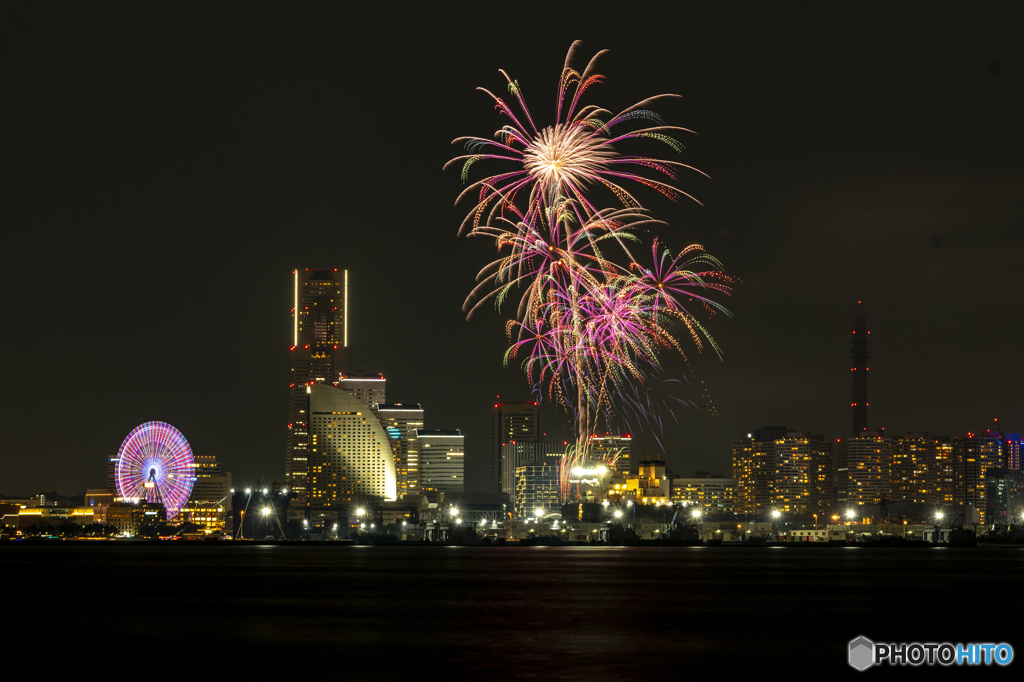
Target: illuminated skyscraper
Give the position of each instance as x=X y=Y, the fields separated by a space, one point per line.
x=442 y=460
x=510 y=422
x=401 y=421
x=319 y=340
x=350 y=458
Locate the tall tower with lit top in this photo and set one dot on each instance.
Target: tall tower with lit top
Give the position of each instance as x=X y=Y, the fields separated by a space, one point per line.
x=859 y=370
x=318 y=355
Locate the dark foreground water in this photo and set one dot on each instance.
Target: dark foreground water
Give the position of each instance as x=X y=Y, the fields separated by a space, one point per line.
x=543 y=613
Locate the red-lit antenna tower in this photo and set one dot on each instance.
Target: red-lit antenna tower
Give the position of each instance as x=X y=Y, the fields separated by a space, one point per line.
x=859 y=370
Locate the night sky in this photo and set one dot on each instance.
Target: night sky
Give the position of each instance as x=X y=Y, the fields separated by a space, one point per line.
x=165 y=172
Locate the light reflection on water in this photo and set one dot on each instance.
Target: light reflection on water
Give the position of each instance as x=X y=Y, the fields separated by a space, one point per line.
x=507 y=612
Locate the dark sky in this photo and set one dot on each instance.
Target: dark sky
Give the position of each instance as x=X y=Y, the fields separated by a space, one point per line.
x=165 y=172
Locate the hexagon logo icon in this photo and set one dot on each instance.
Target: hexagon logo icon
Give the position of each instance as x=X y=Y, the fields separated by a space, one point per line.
x=862 y=653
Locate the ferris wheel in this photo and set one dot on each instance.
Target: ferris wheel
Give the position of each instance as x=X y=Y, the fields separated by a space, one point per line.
x=155 y=464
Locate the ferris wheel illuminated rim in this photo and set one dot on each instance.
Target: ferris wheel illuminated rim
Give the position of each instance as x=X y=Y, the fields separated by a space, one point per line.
x=157 y=451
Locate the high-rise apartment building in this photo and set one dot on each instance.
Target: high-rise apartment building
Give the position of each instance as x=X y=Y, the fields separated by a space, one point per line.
x=803 y=474
x=442 y=460
x=914 y=468
x=864 y=470
x=368 y=388
x=509 y=422
x=944 y=480
x=401 y=421
x=753 y=467
x=350 y=459
x=319 y=341
x=973 y=456
x=611 y=446
x=520 y=453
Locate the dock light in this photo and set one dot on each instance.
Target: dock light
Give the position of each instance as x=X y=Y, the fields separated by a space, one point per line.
x=776 y=513
x=458 y=522
x=849 y=514
x=360 y=511
x=696 y=513
x=605 y=503
x=266 y=510
x=538 y=512
x=618 y=513
x=248 y=491
x=938 y=516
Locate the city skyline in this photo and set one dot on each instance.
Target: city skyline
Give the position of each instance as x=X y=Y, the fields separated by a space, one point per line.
x=830 y=187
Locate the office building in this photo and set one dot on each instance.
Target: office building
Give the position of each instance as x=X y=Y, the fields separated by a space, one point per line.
x=614 y=447
x=400 y=422
x=521 y=453
x=973 y=456
x=350 y=460
x=510 y=422
x=368 y=388
x=537 y=487
x=442 y=460
x=864 y=468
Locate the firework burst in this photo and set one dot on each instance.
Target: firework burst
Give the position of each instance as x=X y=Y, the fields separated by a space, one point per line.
x=591 y=318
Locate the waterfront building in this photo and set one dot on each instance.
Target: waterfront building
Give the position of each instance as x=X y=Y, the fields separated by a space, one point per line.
x=864 y=468
x=973 y=456
x=649 y=485
x=206 y=517
x=519 y=453
x=537 y=487
x=369 y=389
x=712 y=494
x=510 y=422
x=350 y=460
x=400 y=422
x=442 y=460
x=318 y=355
x=611 y=446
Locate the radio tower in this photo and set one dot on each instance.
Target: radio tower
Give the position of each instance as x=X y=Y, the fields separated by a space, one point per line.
x=859 y=369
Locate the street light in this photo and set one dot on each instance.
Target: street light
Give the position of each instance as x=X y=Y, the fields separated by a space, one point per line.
x=618 y=513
